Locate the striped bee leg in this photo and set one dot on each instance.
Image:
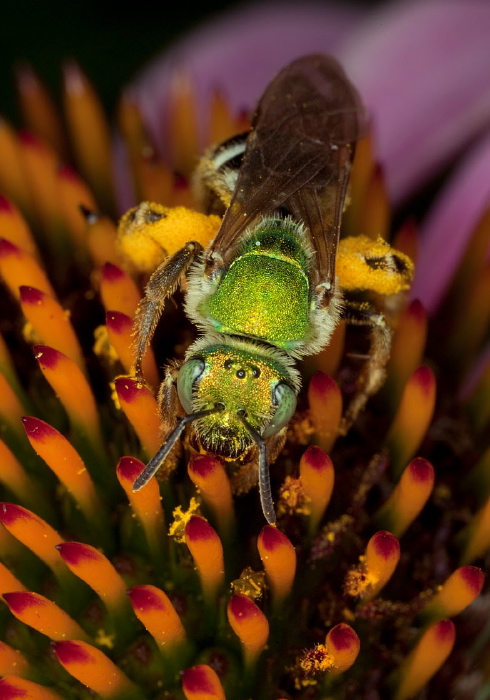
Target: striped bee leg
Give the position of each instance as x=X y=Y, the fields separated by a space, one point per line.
x=161 y=285
x=373 y=373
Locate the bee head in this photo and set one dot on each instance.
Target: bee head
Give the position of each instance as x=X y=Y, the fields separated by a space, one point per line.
x=254 y=392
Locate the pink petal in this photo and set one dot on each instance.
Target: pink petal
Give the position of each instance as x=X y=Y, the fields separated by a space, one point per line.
x=423 y=69
x=449 y=225
x=239 y=52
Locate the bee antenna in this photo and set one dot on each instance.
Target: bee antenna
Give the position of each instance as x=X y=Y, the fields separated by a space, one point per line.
x=156 y=462
x=264 y=476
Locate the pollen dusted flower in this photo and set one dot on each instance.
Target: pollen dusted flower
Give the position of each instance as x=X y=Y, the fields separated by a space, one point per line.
x=181 y=589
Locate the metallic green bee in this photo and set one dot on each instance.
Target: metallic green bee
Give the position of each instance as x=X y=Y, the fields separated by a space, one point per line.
x=264 y=292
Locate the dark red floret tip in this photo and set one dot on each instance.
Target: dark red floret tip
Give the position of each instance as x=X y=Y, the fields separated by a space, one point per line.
x=203 y=465
x=19 y=601
x=118 y=322
x=417 y=310
x=5 y=204
x=47 y=357
x=196 y=680
x=410 y=226
x=180 y=182
x=473 y=577
x=38 y=430
x=322 y=384
x=421 y=470
x=317 y=459
x=343 y=637
x=7 y=248
x=9 y=513
x=31 y=295
x=445 y=631
x=71 y=652
x=29 y=139
x=198 y=529
x=243 y=115
x=271 y=538
x=76 y=553
x=425 y=379
x=64 y=171
x=111 y=273
x=242 y=607
x=10 y=692
x=386 y=544
x=128 y=389
x=129 y=468
x=145 y=599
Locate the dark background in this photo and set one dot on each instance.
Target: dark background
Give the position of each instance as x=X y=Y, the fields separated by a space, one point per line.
x=110 y=44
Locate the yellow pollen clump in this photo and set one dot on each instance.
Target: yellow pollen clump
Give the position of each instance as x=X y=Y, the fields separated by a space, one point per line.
x=251 y=583
x=150 y=232
x=114 y=396
x=293 y=498
x=348 y=615
x=102 y=346
x=181 y=518
x=103 y=639
x=370 y=265
x=317 y=660
x=30 y=334
x=358 y=581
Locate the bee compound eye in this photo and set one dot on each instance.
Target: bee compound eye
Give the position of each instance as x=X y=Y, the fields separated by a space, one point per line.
x=189 y=374
x=284 y=397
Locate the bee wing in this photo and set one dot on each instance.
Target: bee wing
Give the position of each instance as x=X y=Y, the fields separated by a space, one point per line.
x=320 y=209
x=298 y=157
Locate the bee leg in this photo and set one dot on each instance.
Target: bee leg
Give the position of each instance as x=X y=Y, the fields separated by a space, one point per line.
x=161 y=284
x=168 y=399
x=275 y=443
x=374 y=371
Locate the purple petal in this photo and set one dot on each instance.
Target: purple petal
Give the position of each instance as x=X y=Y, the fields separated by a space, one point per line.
x=238 y=52
x=423 y=69
x=450 y=224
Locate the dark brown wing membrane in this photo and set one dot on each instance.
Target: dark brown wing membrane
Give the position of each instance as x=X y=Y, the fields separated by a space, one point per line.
x=298 y=158
x=320 y=209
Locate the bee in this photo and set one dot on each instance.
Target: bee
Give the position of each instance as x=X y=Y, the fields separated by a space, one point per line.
x=264 y=292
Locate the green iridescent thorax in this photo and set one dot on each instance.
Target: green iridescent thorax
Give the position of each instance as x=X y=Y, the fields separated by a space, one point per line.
x=241 y=381
x=265 y=291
